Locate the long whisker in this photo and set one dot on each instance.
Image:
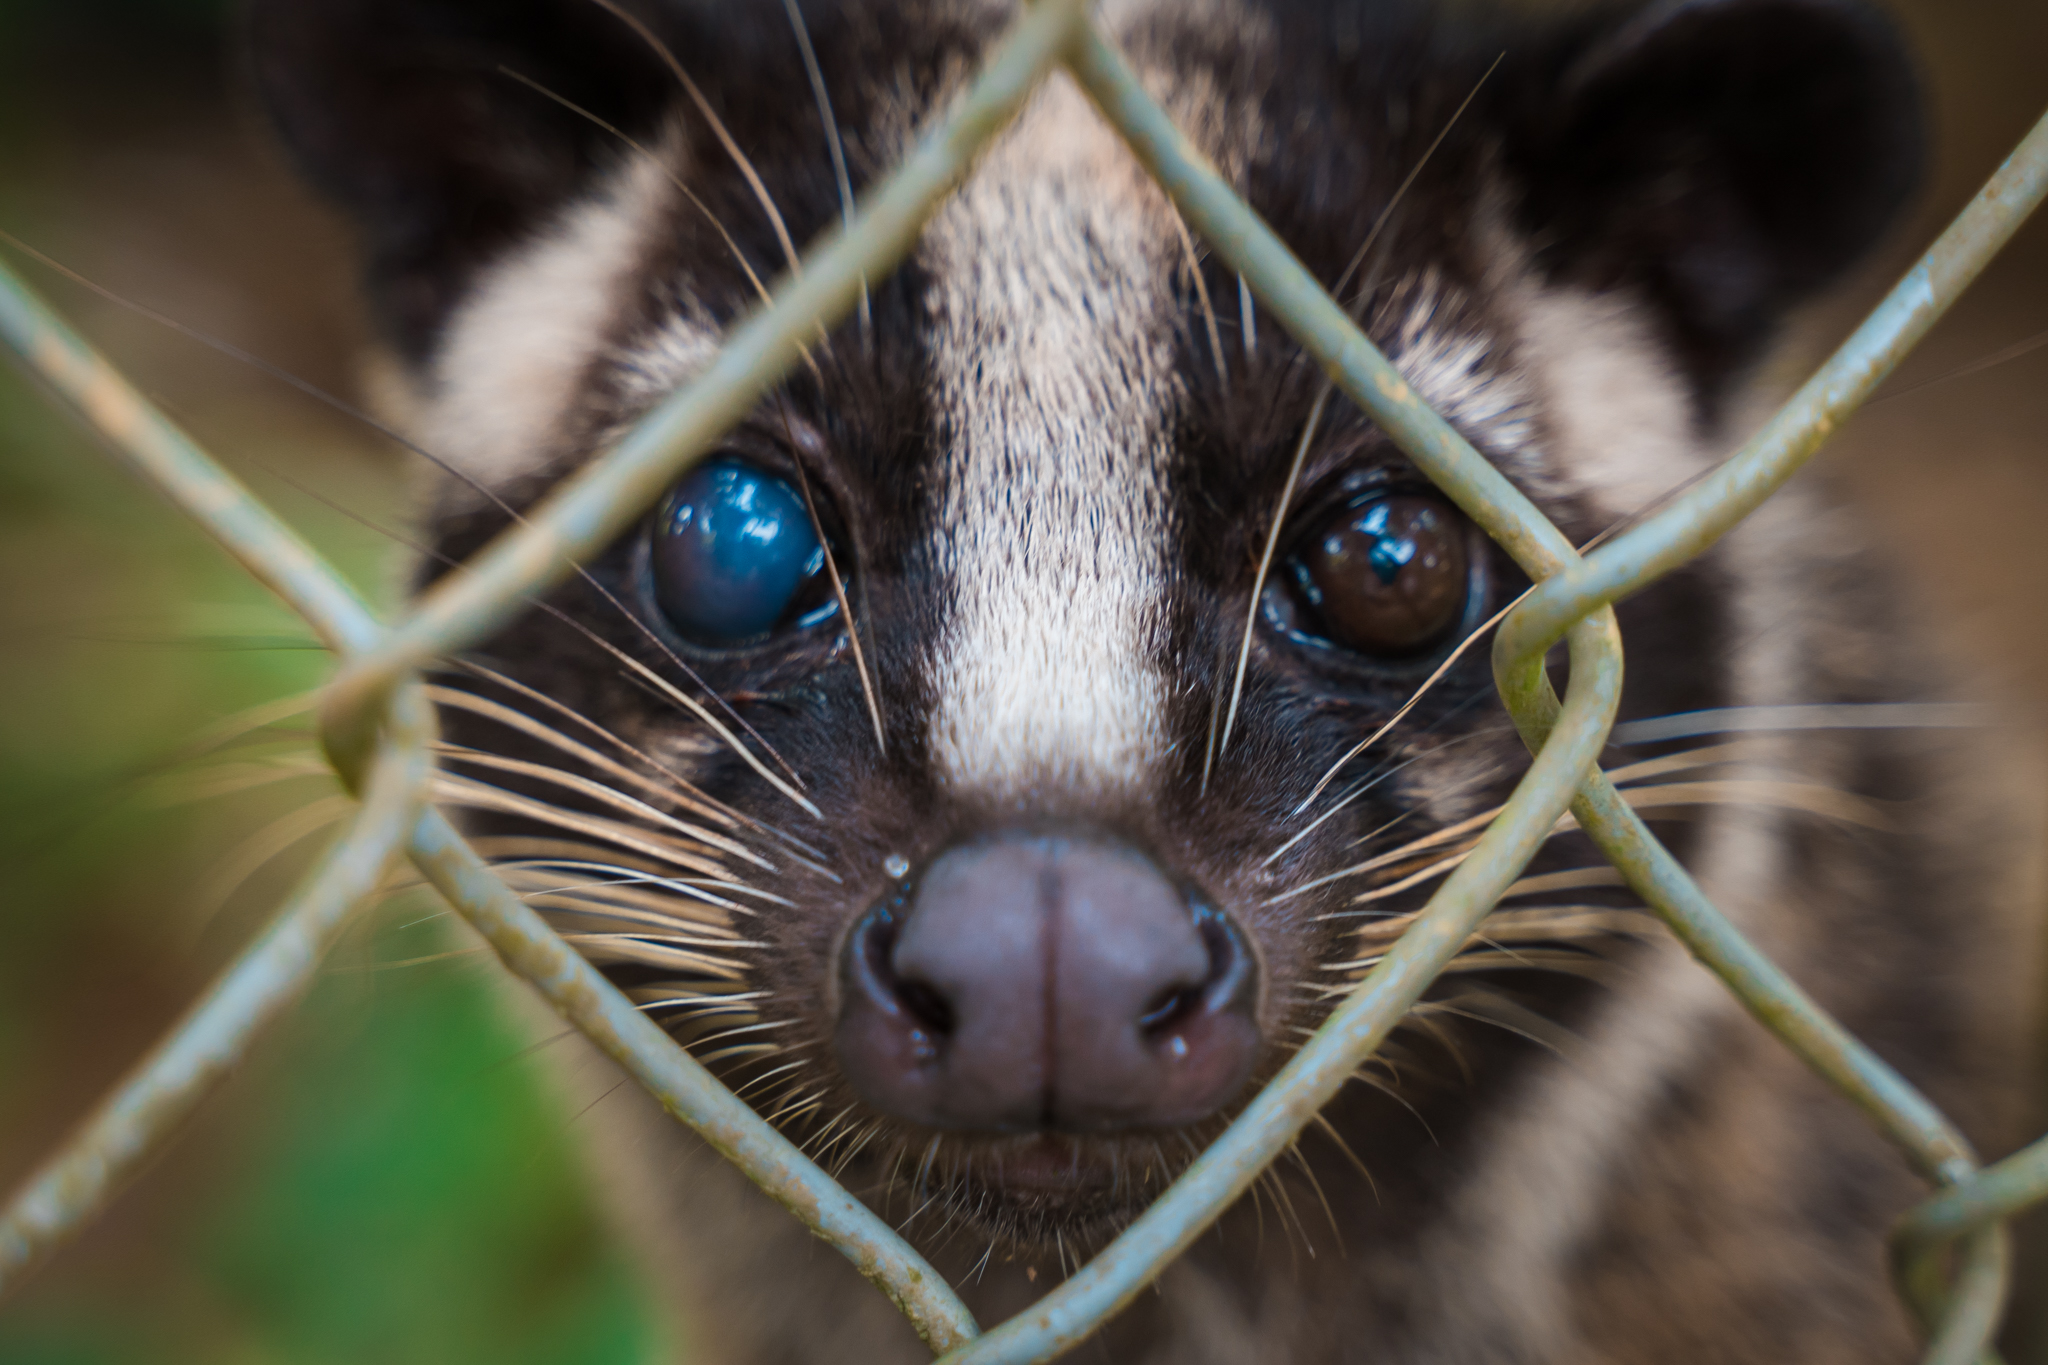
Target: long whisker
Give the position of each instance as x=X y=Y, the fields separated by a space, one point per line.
x=599 y=792
x=641 y=627
x=1566 y=879
x=1823 y=716
x=640 y=899
x=1372 y=780
x=1541 y=924
x=1832 y=803
x=1194 y=264
x=1387 y=213
x=643 y=951
x=1665 y=765
x=1247 y=319
x=229 y=777
x=656 y=912
x=457 y=790
x=745 y=265
x=1999 y=357
x=1251 y=617
x=717 y=223
x=1686 y=760
x=860 y=662
x=674 y=791
x=250 y=856
x=1329 y=1130
x=833 y=144
x=230 y=728
x=739 y=1003
x=357 y=414
x=607 y=916
x=1358 y=789
x=1413 y=699
x=682 y=786
x=1315 y=416
x=718 y=128
x=1486 y=1008
x=696 y=708
x=1308 y=1173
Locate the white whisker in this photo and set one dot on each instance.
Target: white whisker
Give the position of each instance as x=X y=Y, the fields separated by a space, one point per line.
x=833 y=144
x=674 y=789
x=746 y=266
x=456 y=790
x=1194 y=263
x=1251 y=619
x=702 y=713
x=1409 y=705
x=1860 y=716
x=1247 y=319
x=860 y=661
x=718 y=129
x=599 y=792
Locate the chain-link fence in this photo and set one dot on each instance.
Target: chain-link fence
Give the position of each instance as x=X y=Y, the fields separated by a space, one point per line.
x=1951 y=1253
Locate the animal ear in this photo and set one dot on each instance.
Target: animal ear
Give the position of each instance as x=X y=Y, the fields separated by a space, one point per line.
x=403 y=111
x=1726 y=157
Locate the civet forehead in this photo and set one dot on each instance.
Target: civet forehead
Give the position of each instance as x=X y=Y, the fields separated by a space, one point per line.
x=1048 y=426
x=1057 y=435
x=1052 y=445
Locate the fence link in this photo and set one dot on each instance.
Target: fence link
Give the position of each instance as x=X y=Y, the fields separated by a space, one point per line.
x=1951 y=1253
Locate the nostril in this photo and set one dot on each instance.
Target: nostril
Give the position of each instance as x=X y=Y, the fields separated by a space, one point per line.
x=924 y=1003
x=873 y=949
x=1031 y=981
x=1167 y=1010
x=1224 y=984
x=1231 y=970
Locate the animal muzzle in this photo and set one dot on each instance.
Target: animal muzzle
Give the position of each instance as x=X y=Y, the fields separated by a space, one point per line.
x=1031 y=982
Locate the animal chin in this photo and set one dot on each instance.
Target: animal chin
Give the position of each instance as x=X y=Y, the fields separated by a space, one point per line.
x=1044 y=1191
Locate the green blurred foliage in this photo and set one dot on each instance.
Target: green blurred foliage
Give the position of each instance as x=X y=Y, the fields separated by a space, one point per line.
x=387 y=1178
x=391 y=1189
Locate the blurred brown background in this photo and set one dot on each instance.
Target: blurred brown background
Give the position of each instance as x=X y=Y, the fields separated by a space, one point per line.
x=385 y=1180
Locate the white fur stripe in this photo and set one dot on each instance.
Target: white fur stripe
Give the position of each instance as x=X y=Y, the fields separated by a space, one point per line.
x=519 y=347
x=1053 y=376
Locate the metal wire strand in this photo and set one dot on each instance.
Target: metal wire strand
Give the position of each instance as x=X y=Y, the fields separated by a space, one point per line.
x=590 y=509
x=1287 y=289
x=377 y=727
x=215 y=1033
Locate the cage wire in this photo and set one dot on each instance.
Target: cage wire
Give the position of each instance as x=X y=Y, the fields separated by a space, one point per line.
x=1951 y=1254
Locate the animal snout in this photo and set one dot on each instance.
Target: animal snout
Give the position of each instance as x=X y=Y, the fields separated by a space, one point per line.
x=1033 y=982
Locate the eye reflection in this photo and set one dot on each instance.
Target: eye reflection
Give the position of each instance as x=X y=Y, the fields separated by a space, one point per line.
x=1386 y=577
x=734 y=556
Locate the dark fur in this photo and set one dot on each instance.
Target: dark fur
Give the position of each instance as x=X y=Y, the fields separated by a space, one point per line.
x=1715 y=163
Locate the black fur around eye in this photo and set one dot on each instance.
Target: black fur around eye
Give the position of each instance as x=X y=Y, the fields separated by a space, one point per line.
x=735 y=558
x=1387 y=576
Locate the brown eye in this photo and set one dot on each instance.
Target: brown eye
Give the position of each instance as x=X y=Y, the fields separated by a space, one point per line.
x=1386 y=576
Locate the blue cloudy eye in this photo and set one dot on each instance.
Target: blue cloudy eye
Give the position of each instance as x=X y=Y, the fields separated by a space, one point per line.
x=734 y=555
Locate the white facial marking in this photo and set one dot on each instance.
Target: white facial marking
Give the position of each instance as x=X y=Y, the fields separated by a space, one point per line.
x=519 y=346
x=1623 y=434
x=1053 y=374
x=1621 y=421
x=1449 y=371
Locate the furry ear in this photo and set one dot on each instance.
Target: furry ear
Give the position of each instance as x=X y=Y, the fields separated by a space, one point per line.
x=403 y=112
x=1725 y=157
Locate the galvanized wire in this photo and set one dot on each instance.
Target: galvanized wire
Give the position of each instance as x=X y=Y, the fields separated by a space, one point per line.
x=376 y=729
x=145 y=1106
x=601 y=500
x=213 y=1035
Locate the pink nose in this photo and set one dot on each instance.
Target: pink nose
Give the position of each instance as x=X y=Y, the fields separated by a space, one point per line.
x=1042 y=982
